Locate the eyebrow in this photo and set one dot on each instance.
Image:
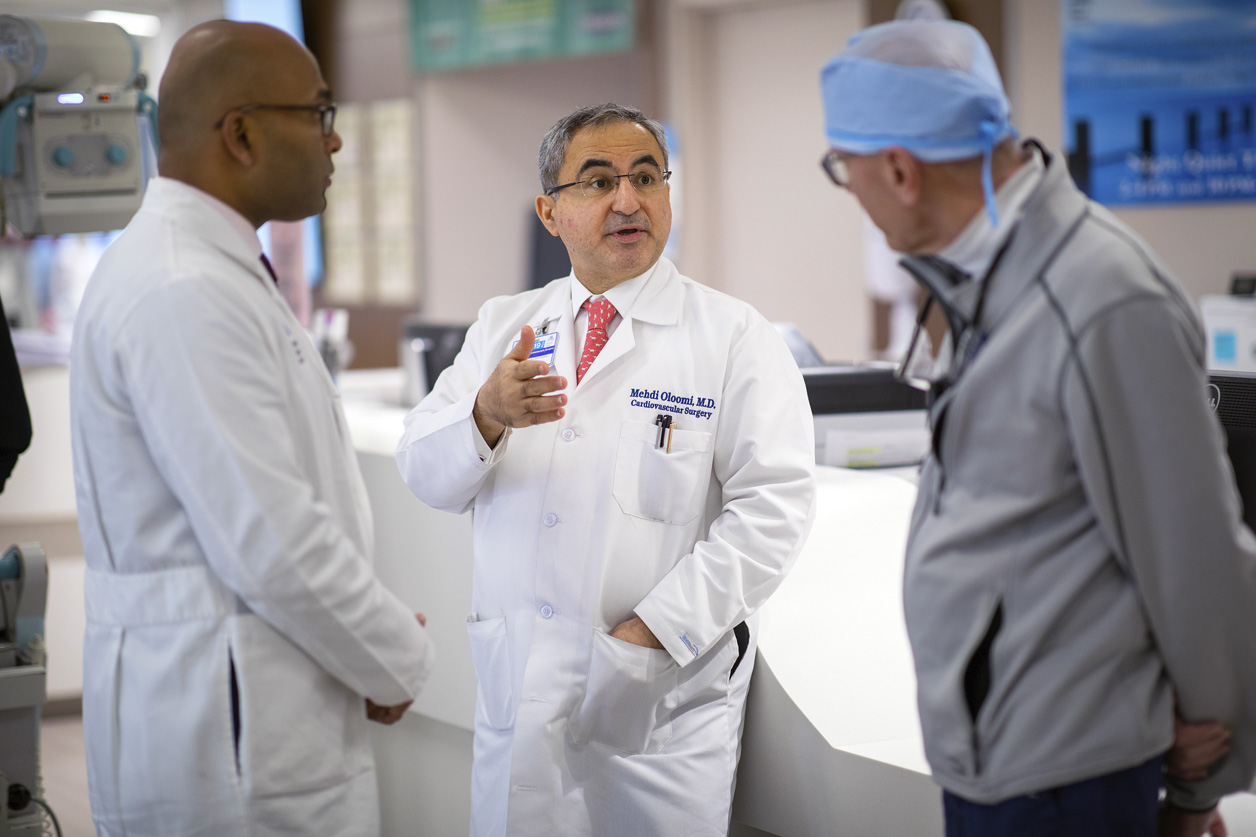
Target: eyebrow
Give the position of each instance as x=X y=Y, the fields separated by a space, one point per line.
x=325 y=95
x=593 y=163
x=599 y=163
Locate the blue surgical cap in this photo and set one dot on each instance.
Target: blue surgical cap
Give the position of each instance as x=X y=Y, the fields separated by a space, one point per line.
x=930 y=87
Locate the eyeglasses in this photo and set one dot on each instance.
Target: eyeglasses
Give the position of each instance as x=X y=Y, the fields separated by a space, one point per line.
x=834 y=165
x=599 y=184
x=326 y=113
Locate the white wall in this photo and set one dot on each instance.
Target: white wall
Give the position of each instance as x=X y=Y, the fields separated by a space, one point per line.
x=789 y=242
x=763 y=223
x=480 y=132
x=1202 y=243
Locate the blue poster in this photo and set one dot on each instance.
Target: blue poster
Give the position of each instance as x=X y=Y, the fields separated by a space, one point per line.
x=1159 y=98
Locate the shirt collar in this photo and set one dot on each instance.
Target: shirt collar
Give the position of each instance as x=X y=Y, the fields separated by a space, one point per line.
x=238 y=222
x=622 y=296
x=974 y=249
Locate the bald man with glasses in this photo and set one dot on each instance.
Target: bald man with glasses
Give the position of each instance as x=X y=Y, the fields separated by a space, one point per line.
x=237 y=637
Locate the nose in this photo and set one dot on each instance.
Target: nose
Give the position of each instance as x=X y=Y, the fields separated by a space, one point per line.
x=626 y=201
x=334 y=143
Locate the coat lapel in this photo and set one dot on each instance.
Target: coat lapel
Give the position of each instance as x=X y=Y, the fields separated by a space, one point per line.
x=658 y=303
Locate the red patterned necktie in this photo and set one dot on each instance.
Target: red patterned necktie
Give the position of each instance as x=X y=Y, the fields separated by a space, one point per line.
x=601 y=312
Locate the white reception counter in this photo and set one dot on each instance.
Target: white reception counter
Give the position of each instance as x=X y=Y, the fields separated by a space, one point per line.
x=832 y=742
x=832 y=745
x=833 y=676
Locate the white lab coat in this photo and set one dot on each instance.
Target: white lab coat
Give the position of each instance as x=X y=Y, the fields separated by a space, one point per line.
x=227 y=530
x=582 y=522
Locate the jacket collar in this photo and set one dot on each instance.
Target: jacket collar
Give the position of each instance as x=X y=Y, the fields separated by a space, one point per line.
x=661 y=299
x=1050 y=214
x=658 y=300
x=208 y=220
x=652 y=297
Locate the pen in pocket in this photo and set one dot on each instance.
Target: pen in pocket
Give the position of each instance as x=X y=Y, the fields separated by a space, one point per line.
x=664 y=422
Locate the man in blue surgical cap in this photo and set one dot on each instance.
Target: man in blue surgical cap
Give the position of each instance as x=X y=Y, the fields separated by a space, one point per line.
x=1076 y=558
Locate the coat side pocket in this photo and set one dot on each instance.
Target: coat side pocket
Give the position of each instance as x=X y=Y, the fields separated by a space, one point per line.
x=490 y=657
x=629 y=698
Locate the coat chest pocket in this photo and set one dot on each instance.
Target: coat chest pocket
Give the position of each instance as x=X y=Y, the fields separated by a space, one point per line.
x=655 y=483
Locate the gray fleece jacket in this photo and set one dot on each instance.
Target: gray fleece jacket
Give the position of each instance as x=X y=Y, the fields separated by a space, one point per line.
x=1076 y=556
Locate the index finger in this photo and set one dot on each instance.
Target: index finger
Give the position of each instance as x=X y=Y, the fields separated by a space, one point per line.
x=543 y=386
x=531 y=369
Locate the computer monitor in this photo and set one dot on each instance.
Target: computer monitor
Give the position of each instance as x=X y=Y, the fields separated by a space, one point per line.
x=1232 y=396
x=426 y=349
x=548 y=259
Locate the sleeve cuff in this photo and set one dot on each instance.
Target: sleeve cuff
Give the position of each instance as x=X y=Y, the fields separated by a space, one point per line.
x=481 y=446
x=489 y=456
x=675 y=642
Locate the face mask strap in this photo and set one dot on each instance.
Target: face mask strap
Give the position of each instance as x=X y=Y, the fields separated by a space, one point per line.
x=989 y=131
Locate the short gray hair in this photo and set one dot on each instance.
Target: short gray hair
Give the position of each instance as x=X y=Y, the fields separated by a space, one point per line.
x=554 y=146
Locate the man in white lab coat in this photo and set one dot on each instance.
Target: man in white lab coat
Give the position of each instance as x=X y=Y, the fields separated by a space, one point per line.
x=237 y=636
x=639 y=488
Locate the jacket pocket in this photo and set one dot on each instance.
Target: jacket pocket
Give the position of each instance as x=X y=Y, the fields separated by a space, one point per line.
x=490 y=657
x=629 y=698
x=658 y=483
x=978 y=675
x=235 y=709
x=300 y=729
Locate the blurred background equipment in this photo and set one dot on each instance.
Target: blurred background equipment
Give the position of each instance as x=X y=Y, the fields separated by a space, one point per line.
x=77 y=131
x=23 y=689
x=426 y=349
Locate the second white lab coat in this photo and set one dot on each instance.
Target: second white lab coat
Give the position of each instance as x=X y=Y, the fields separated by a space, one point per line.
x=581 y=523
x=228 y=542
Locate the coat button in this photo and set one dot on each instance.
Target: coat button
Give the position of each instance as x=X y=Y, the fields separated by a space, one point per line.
x=551 y=519
x=568 y=434
x=546 y=611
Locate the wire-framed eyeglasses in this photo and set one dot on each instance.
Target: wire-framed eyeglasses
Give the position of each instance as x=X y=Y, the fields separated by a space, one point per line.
x=834 y=165
x=601 y=183
x=326 y=113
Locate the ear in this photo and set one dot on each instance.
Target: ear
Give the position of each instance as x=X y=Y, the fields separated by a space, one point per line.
x=238 y=139
x=545 y=211
x=904 y=173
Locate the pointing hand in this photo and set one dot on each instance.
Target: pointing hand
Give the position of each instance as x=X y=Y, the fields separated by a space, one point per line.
x=515 y=396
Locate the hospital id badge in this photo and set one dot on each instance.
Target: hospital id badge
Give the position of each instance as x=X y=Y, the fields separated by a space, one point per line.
x=543 y=348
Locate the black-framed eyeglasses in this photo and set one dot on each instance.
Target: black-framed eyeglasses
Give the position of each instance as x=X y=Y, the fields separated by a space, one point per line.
x=599 y=184
x=834 y=165
x=326 y=113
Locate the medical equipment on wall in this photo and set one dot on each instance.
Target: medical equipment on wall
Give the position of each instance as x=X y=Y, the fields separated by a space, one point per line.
x=23 y=688
x=77 y=131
